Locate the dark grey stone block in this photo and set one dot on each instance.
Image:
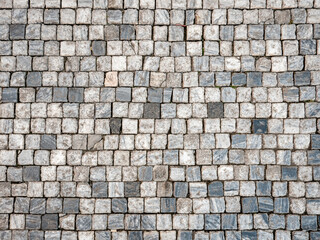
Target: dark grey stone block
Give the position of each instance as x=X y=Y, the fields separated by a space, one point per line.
x=265 y=204
x=257 y=172
x=99 y=48
x=71 y=205
x=100 y=189
x=135 y=235
x=127 y=32
x=254 y=79
x=185 y=235
x=76 y=95
x=50 y=222
x=315 y=141
x=115 y=125
x=226 y=33
x=148 y=222
x=260 y=126
x=31 y=173
x=249 y=235
x=308 y=46
x=223 y=78
x=263 y=188
x=38 y=205
x=119 y=205
x=21 y=205
x=155 y=95
x=133 y=222
x=17 y=31
x=83 y=222
x=249 y=205
x=215 y=110
x=285 y=79
x=33 y=221
x=206 y=79
x=180 y=189
x=51 y=16
x=48 y=142
x=309 y=223
x=281 y=205
x=193 y=174
x=44 y=94
x=145 y=173
x=102 y=235
x=112 y=32
x=141 y=79
x=239 y=79
x=36 y=235
x=168 y=205
x=131 y=189
x=36 y=48
x=9 y=95
x=151 y=110
x=314 y=157
x=256 y=31
x=289 y=173
x=215 y=189
x=123 y=94
x=212 y=222
x=115 y=221
x=302 y=78
x=229 y=221
x=60 y=94
x=34 y=79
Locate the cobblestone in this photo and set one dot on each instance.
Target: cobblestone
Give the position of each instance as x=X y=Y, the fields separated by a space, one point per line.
x=171 y=119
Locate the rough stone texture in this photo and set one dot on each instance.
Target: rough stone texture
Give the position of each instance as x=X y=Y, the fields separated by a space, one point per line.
x=159 y=119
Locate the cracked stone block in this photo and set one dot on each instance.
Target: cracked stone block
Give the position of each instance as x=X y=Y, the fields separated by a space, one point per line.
x=151 y=110
x=215 y=110
x=50 y=222
x=9 y=95
x=17 y=31
x=34 y=79
x=48 y=142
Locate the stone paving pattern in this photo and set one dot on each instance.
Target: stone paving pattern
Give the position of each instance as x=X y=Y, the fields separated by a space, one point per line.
x=159 y=119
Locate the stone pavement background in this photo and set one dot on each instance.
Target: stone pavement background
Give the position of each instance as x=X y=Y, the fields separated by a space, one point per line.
x=159 y=119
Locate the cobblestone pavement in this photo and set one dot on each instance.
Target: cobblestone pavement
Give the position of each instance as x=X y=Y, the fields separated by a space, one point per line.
x=159 y=119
